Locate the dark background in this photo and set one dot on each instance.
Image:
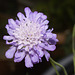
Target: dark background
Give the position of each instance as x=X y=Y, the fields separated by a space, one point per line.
x=60 y=13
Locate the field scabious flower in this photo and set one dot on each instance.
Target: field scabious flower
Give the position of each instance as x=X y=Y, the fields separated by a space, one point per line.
x=30 y=38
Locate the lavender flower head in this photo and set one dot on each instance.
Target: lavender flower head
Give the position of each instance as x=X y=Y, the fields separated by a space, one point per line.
x=30 y=38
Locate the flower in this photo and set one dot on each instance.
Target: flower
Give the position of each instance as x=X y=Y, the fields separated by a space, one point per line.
x=30 y=38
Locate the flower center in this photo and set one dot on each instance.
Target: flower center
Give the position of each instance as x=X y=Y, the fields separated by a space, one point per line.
x=28 y=33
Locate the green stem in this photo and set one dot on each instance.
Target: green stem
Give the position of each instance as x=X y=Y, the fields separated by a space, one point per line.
x=59 y=66
x=54 y=67
x=73 y=46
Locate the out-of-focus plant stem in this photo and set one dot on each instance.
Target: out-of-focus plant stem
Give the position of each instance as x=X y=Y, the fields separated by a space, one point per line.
x=73 y=46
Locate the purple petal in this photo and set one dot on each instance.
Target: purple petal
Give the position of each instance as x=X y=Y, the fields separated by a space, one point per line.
x=27 y=11
x=7 y=27
x=38 y=16
x=7 y=42
x=50 y=30
x=9 y=54
x=39 y=51
x=42 y=44
x=35 y=58
x=31 y=52
x=28 y=62
x=20 y=46
x=54 y=36
x=10 y=31
x=19 y=56
x=44 y=27
x=39 y=20
x=56 y=40
x=35 y=13
x=47 y=46
x=47 y=55
x=44 y=17
x=49 y=35
x=45 y=22
x=52 y=41
x=50 y=47
x=12 y=23
x=31 y=16
x=17 y=22
x=21 y=16
x=7 y=37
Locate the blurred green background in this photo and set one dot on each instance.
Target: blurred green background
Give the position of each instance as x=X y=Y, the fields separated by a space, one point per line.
x=60 y=13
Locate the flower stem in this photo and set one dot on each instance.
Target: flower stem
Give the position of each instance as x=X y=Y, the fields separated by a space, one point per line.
x=73 y=46
x=59 y=65
x=54 y=67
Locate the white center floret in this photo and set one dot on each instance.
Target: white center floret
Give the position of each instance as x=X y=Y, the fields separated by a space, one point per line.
x=28 y=33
